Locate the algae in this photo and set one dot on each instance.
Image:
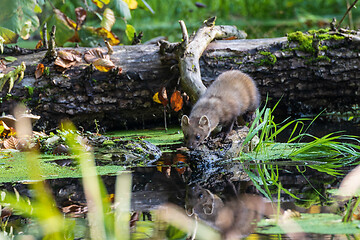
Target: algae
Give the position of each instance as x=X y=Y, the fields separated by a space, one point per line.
x=13 y=167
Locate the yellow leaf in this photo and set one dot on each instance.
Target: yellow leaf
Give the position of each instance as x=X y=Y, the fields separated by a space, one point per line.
x=109 y=36
x=131 y=3
x=103 y=65
x=100 y=3
x=156 y=98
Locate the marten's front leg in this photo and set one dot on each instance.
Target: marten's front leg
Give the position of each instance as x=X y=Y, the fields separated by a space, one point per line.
x=226 y=129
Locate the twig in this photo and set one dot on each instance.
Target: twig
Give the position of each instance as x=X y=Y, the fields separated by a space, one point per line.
x=44 y=32
x=347 y=11
x=184 y=32
x=165 y=123
x=51 y=53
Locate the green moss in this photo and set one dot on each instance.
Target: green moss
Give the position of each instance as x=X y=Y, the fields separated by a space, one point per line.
x=271 y=58
x=108 y=143
x=306 y=42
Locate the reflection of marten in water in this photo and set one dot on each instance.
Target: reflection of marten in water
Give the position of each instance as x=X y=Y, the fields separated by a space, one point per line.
x=232 y=94
x=235 y=219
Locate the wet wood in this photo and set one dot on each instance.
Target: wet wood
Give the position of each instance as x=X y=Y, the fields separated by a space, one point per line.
x=306 y=83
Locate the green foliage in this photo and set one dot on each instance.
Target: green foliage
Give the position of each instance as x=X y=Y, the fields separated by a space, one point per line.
x=130 y=30
x=11 y=77
x=19 y=16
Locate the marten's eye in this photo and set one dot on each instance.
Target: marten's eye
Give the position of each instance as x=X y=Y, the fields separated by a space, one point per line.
x=197 y=136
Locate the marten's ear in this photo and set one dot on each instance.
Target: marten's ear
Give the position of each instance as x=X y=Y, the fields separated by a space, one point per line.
x=185 y=120
x=204 y=121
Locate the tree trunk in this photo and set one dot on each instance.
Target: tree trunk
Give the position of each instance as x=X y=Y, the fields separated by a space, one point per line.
x=306 y=82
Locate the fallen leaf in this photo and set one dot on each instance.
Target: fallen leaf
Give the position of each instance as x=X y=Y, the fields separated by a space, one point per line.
x=230 y=38
x=2 y=66
x=70 y=55
x=103 y=65
x=156 y=98
x=163 y=96
x=180 y=158
x=94 y=54
x=67 y=58
x=39 y=44
x=64 y=63
x=176 y=101
x=12 y=143
x=39 y=70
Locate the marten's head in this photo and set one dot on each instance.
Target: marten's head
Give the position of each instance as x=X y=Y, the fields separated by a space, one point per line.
x=195 y=130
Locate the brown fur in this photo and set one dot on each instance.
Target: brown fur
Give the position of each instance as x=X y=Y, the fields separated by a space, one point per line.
x=232 y=94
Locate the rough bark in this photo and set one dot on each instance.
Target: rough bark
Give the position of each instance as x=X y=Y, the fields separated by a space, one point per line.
x=306 y=82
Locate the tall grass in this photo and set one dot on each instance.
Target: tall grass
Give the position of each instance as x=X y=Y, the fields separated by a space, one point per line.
x=325 y=154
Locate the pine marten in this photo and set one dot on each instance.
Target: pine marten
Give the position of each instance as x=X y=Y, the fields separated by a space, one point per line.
x=232 y=94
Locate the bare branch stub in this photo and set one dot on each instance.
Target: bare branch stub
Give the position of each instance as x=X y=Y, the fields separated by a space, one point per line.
x=189 y=61
x=188 y=53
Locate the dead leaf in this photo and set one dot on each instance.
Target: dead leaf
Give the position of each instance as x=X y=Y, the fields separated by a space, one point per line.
x=156 y=98
x=108 y=35
x=63 y=18
x=6 y=212
x=39 y=44
x=103 y=65
x=2 y=66
x=94 y=54
x=230 y=38
x=80 y=16
x=176 y=101
x=39 y=70
x=70 y=55
x=163 y=96
x=67 y=58
x=75 y=210
x=12 y=143
x=63 y=63
x=180 y=158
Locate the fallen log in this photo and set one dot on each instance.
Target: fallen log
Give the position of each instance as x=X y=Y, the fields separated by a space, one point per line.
x=309 y=76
